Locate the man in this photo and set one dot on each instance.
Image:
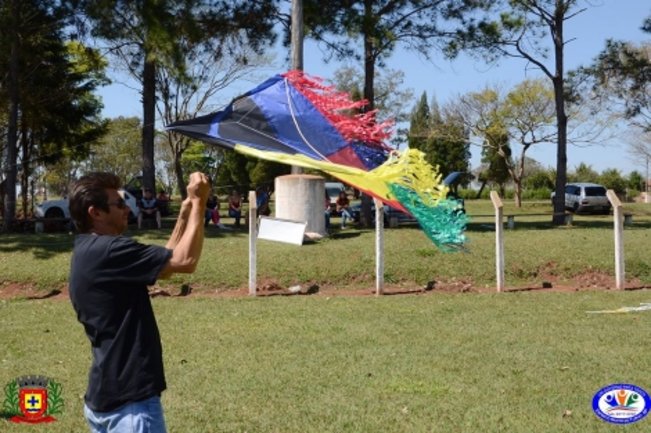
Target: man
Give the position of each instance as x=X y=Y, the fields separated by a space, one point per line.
x=109 y=276
x=148 y=208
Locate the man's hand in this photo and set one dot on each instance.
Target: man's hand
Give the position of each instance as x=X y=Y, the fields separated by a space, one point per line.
x=198 y=187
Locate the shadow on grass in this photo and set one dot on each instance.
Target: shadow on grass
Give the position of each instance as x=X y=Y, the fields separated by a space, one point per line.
x=43 y=246
x=489 y=226
x=345 y=234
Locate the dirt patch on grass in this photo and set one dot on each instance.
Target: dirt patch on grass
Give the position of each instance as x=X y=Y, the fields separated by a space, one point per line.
x=9 y=290
x=547 y=280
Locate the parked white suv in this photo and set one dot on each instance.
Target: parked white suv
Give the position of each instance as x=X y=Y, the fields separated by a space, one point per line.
x=586 y=197
x=61 y=209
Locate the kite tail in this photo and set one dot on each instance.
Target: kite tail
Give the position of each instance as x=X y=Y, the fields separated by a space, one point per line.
x=417 y=186
x=444 y=224
x=337 y=107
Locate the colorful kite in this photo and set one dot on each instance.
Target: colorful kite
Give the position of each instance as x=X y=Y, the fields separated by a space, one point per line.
x=295 y=119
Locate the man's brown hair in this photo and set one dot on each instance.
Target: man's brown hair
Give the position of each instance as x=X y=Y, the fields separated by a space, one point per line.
x=90 y=190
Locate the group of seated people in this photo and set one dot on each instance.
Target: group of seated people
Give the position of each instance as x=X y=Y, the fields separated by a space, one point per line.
x=234 y=209
x=155 y=207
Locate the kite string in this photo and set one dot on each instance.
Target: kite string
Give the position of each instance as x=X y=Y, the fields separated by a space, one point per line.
x=298 y=129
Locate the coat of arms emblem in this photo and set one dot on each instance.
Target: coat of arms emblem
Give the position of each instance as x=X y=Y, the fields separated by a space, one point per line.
x=32 y=399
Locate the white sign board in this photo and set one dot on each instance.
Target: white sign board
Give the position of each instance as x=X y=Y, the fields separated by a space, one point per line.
x=281 y=230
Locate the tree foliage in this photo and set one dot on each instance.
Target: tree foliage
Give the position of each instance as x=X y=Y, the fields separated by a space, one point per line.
x=442 y=137
x=496 y=156
x=620 y=77
x=612 y=179
x=524 y=116
x=583 y=173
x=391 y=100
x=57 y=114
x=147 y=34
x=114 y=151
x=526 y=29
x=189 y=95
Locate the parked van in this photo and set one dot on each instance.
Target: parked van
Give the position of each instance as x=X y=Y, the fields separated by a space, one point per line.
x=586 y=197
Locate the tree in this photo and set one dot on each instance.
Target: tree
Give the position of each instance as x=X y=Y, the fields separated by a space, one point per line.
x=620 y=77
x=52 y=112
x=442 y=137
x=233 y=172
x=529 y=110
x=612 y=179
x=583 y=173
x=635 y=181
x=449 y=145
x=539 y=178
x=114 y=151
x=518 y=32
x=189 y=95
x=420 y=124
x=525 y=115
x=496 y=155
x=639 y=147
x=10 y=18
x=146 y=34
x=390 y=99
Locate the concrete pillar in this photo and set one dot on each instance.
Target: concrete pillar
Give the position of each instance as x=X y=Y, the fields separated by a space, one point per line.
x=301 y=197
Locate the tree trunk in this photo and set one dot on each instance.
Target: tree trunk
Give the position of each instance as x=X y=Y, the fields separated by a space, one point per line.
x=25 y=173
x=12 y=127
x=561 y=119
x=518 y=193
x=481 y=189
x=149 y=120
x=178 y=170
x=517 y=179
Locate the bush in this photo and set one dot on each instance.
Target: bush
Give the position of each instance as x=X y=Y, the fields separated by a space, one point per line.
x=536 y=194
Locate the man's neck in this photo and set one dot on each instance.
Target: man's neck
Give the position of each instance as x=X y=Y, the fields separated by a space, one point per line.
x=103 y=230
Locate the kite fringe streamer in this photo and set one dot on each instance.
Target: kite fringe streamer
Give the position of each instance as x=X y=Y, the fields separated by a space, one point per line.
x=337 y=107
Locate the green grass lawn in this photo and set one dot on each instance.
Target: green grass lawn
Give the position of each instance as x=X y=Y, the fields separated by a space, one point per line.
x=439 y=362
x=510 y=362
x=535 y=251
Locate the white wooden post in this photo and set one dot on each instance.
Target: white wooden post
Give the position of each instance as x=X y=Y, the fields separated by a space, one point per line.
x=499 y=239
x=253 y=235
x=618 y=218
x=379 y=247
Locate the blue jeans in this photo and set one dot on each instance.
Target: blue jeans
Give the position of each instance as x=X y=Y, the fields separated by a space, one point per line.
x=345 y=214
x=145 y=416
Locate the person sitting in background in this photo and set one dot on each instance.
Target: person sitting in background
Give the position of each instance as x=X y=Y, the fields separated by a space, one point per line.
x=148 y=208
x=212 y=210
x=262 y=198
x=235 y=207
x=163 y=201
x=328 y=211
x=343 y=207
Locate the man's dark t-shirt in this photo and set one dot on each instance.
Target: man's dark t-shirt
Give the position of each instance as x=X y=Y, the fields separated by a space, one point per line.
x=109 y=276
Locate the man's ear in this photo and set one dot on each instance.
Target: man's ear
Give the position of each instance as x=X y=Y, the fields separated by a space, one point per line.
x=94 y=212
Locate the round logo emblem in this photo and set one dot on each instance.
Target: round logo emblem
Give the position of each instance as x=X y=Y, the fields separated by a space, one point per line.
x=621 y=403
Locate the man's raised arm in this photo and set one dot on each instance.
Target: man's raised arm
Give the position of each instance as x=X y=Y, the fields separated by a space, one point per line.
x=186 y=241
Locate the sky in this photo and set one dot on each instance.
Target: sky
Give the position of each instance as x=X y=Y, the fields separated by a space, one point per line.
x=446 y=80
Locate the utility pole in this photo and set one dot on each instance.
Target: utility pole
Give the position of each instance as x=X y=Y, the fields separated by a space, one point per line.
x=299 y=196
x=297 y=47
